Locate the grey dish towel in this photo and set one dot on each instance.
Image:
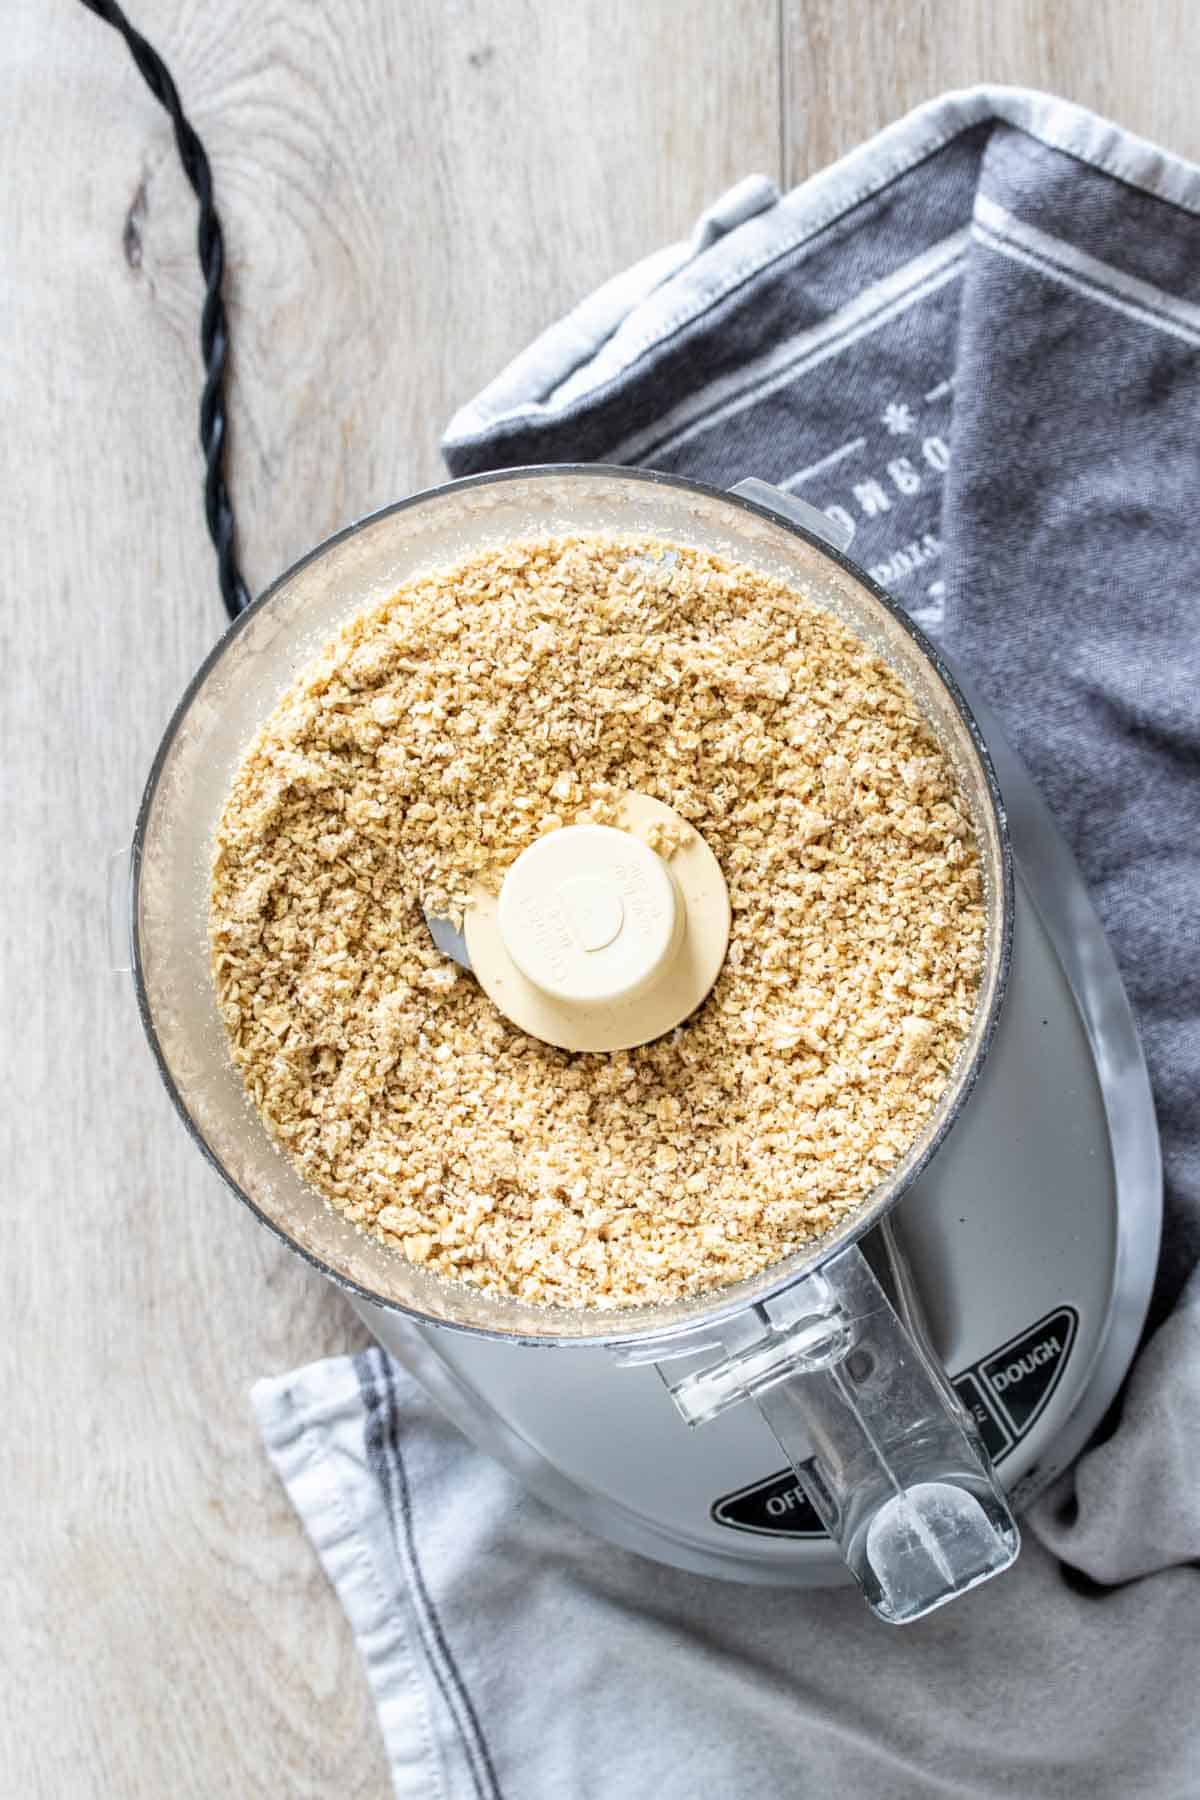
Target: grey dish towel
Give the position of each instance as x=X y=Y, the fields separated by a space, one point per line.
x=975 y=342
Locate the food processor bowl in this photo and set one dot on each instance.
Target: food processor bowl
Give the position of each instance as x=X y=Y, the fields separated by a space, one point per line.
x=231 y=695
x=240 y=683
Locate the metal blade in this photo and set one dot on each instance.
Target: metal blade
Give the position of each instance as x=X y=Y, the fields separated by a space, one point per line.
x=451 y=943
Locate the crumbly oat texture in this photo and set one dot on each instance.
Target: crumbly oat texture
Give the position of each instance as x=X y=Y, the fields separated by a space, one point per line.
x=529 y=688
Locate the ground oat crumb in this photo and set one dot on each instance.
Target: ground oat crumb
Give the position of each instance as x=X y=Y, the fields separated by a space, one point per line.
x=529 y=688
x=666 y=838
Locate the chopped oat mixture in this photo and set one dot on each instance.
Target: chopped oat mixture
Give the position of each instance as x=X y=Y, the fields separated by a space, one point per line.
x=529 y=688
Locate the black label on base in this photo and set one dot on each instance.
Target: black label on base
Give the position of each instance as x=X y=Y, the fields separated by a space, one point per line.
x=1021 y=1376
x=1005 y=1392
x=996 y=1439
x=777 y=1505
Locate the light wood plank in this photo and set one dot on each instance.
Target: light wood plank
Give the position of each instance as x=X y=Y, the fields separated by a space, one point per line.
x=850 y=70
x=409 y=192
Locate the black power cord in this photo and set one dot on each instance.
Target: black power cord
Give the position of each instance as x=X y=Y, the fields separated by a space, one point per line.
x=214 y=325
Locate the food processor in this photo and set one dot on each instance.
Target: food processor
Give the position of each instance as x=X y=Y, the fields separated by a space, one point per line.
x=877 y=1406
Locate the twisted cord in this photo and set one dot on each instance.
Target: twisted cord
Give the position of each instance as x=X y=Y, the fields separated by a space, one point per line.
x=214 y=325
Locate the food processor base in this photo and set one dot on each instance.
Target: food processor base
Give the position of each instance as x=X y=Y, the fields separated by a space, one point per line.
x=1027 y=1249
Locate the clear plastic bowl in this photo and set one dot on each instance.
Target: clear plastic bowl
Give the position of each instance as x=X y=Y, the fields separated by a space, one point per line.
x=238 y=686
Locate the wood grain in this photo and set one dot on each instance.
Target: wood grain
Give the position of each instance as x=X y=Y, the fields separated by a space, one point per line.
x=409 y=193
x=848 y=70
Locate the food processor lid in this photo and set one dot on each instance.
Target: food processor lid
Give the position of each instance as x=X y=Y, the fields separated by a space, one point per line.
x=238 y=686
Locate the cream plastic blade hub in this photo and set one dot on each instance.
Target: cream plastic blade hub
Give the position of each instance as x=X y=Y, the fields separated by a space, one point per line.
x=596 y=942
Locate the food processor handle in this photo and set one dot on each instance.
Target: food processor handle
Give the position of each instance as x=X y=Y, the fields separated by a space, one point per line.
x=864 y=1414
x=886 y=1455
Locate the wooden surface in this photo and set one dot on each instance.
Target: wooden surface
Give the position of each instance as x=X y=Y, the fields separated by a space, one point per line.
x=409 y=191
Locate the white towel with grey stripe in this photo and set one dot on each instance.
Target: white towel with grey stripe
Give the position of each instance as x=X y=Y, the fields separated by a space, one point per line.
x=974 y=343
